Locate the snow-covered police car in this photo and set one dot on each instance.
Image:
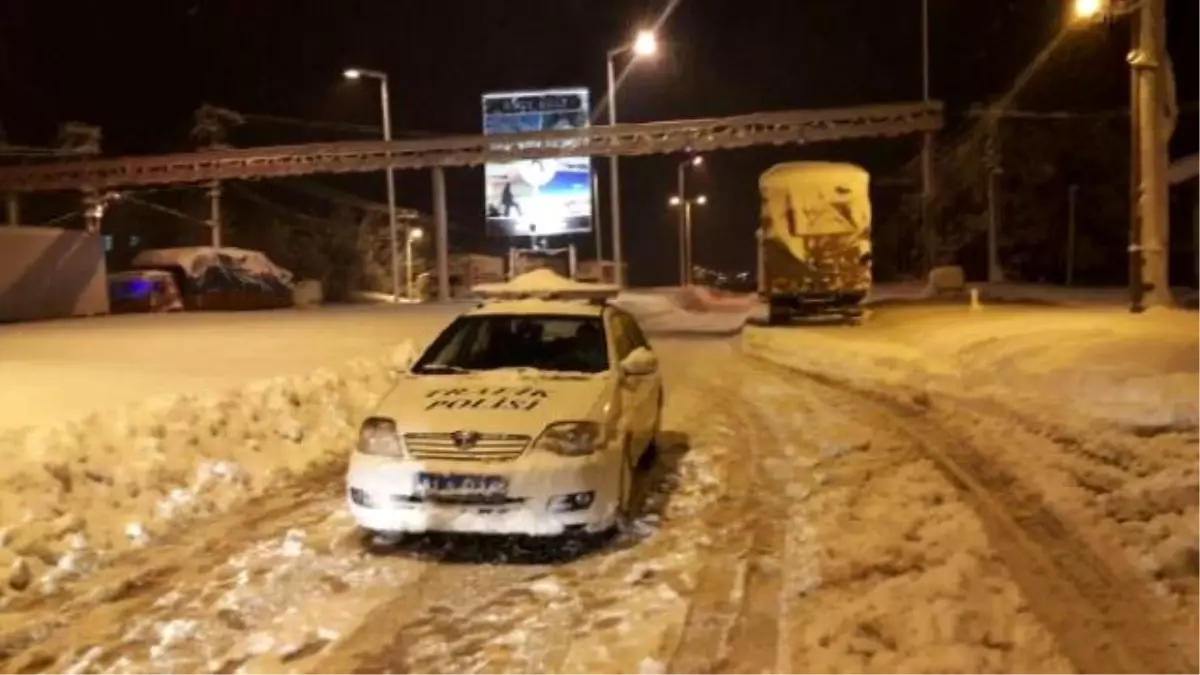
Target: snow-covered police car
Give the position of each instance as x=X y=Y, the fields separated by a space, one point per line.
x=525 y=415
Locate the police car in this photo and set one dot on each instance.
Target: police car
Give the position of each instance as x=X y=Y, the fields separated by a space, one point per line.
x=527 y=415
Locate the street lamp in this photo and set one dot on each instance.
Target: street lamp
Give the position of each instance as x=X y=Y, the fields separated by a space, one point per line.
x=685 y=230
x=645 y=44
x=357 y=74
x=685 y=243
x=1152 y=91
x=1089 y=9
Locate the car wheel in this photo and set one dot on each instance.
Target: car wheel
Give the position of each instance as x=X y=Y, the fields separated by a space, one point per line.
x=625 y=487
x=650 y=454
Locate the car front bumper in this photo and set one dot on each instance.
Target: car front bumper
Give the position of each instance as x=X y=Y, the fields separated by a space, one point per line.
x=547 y=495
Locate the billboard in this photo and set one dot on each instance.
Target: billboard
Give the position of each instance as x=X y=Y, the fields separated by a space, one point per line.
x=539 y=197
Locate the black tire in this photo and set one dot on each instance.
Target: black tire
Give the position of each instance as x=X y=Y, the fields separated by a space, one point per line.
x=625 y=489
x=650 y=454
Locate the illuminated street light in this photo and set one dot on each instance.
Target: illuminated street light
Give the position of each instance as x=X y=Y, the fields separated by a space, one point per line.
x=416 y=234
x=359 y=73
x=644 y=45
x=1088 y=9
x=697 y=160
x=685 y=232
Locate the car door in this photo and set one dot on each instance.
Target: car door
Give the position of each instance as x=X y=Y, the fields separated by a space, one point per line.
x=642 y=390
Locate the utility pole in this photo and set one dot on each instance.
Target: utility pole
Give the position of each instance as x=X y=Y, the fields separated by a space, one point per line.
x=1151 y=71
x=992 y=165
x=681 y=190
x=12 y=209
x=928 y=223
x=596 y=218
x=214 y=212
x=211 y=132
x=1072 y=201
x=1135 y=183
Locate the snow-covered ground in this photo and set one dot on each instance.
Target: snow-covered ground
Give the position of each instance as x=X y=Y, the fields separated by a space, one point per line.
x=1089 y=413
x=778 y=533
x=892 y=514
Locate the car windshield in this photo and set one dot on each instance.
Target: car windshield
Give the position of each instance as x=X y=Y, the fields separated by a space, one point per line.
x=543 y=342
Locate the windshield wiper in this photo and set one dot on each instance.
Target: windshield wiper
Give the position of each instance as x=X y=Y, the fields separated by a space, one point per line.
x=432 y=368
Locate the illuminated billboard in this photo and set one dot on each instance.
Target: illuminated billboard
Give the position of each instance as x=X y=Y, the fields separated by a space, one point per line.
x=539 y=197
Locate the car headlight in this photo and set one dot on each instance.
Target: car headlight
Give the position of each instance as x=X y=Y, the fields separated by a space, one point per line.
x=570 y=439
x=378 y=436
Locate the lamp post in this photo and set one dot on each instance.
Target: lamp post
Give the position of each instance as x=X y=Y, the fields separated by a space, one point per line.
x=685 y=244
x=685 y=207
x=927 y=212
x=359 y=73
x=1153 y=110
x=645 y=44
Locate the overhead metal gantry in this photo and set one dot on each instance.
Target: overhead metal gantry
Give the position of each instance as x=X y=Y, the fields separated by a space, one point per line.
x=94 y=177
x=700 y=135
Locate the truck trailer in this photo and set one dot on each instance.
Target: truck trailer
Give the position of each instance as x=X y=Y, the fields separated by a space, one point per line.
x=814 y=240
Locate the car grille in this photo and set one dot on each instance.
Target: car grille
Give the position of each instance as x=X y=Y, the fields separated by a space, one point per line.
x=487 y=447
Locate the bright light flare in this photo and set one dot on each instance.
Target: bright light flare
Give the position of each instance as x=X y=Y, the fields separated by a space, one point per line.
x=674 y=200
x=352 y=73
x=702 y=200
x=697 y=160
x=1089 y=9
x=416 y=234
x=645 y=44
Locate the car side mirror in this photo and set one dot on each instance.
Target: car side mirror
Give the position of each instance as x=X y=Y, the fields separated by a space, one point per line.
x=640 y=361
x=403 y=358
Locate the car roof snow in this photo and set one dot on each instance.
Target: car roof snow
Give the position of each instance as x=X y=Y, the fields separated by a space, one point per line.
x=538 y=306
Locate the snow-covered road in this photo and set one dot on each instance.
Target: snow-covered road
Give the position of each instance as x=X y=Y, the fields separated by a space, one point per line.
x=791 y=525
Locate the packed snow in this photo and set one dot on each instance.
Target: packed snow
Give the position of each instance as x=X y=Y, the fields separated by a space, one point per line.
x=1093 y=409
x=74 y=492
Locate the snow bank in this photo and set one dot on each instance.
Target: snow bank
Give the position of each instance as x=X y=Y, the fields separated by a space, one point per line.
x=687 y=311
x=1095 y=410
x=1139 y=371
x=75 y=492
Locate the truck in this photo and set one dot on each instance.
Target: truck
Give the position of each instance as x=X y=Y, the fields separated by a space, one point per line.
x=814 y=240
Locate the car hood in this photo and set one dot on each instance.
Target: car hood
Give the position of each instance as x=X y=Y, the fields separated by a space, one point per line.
x=510 y=402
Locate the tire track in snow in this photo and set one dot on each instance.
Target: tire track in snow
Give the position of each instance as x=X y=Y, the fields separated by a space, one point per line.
x=42 y=630
x=1104 y=619
x=733 y=620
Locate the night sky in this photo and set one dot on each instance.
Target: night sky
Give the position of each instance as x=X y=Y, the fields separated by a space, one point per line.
x=139 y=68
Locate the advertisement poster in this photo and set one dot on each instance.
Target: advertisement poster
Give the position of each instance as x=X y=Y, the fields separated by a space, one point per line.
x=539 y=197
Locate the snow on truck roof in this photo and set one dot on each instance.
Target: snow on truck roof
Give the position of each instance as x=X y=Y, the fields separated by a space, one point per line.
x=543 y=291
x=814 y=169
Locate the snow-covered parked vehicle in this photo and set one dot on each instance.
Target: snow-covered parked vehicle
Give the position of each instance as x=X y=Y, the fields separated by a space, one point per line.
x=526 y=415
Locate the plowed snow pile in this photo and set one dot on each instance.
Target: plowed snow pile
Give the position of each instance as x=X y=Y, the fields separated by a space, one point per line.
x=1093 y=410
x=75 y=492
x=687 y=310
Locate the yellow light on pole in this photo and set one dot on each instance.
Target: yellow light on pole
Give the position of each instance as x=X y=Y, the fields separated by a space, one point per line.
x=645 y=44
x=701 y=200
x=416 y=234
x=352 y=73
x=697 y=160
x=675 y=200
x=1084 y=10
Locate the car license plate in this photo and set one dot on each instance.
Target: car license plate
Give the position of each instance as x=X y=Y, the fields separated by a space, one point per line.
x=441 y=484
